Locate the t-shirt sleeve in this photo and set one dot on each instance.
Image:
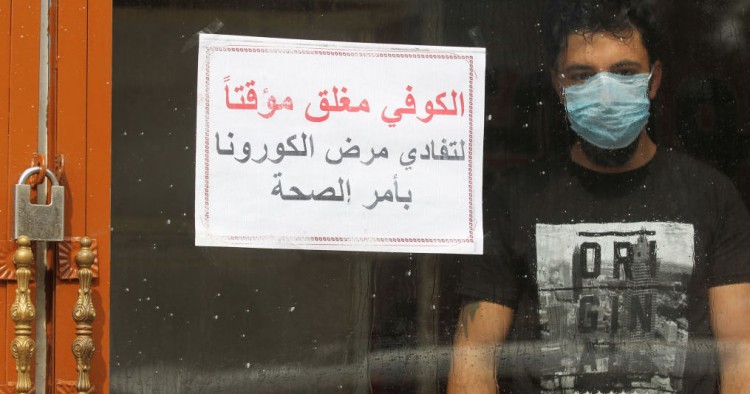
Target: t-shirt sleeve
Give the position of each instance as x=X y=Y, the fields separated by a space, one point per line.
x=730 y=254
x=492 y=275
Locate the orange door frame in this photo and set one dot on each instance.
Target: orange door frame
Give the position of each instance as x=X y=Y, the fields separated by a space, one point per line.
x=79 y=137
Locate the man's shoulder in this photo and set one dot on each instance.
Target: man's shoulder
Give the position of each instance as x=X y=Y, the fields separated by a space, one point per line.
x=676 y=163
x=527 y=177
x=524 y=187
x=535 y=169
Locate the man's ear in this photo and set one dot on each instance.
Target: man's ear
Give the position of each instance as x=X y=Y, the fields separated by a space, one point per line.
x=656 y=74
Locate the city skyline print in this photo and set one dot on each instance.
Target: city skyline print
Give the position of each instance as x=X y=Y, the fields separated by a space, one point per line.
x=612 y=306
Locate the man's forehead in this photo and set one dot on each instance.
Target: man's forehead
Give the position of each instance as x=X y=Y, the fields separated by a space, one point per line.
x=602 y=49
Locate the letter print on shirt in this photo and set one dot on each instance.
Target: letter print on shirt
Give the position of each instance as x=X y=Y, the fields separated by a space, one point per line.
x=613 y=305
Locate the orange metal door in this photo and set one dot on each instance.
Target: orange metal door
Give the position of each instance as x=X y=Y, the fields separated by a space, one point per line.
x=77 y=150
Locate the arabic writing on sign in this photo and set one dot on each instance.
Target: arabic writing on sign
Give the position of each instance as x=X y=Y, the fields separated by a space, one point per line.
x=338 y=106
x=281 y=149
x=386 y=139
x=352 y=152
x=294 y=193
x=388 y=195
x=429 y=108
x=249 y=100
x=245 y=97
x=327 y=194
x=291 y=149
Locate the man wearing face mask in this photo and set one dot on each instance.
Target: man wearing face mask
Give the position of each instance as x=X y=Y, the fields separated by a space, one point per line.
x=652 y=247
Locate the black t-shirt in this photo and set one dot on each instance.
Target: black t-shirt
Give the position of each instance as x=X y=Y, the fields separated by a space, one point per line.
x=608 y=274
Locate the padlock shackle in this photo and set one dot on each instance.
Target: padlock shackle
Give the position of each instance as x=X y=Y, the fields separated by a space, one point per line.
x=35 y=170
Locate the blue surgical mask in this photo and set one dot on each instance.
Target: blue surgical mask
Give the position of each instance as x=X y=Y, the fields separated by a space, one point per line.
x=609 y=110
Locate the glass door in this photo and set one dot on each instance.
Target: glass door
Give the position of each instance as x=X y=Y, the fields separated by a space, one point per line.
x=187 y=319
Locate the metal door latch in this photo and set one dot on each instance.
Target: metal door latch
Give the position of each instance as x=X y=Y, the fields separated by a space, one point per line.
x=39 y=222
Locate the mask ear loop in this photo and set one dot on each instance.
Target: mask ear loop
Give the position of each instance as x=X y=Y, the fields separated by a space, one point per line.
x=563 y=101
x=560 y=85
x=650 y=74
x=563 y=88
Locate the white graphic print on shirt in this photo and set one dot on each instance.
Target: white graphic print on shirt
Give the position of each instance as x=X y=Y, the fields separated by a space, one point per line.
x=612 y=305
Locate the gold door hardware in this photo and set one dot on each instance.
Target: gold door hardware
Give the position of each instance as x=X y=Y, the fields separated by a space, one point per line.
x=66 y=254
x=32 y=222
x=84 y=315
x=22 y=312
x=39 y=222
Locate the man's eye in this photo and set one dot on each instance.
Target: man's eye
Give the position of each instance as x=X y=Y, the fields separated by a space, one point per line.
x=626 y=72
x=580 y=77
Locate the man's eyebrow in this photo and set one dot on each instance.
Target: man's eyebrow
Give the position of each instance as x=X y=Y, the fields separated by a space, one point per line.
x=619 y=65
x=578 y=67
x=625 y=63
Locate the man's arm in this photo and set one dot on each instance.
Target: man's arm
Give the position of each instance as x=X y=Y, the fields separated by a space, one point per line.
x=482 y=327
x=730 y=316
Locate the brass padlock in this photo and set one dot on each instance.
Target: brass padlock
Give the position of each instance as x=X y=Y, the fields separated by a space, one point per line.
x=39 y=222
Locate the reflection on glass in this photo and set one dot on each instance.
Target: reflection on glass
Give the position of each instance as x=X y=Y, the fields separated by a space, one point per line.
x=187 y=319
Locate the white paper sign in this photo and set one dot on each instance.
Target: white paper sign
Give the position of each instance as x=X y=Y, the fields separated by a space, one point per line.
x=339 y=146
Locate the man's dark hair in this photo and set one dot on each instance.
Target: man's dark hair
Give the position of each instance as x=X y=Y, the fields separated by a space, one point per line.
x=617 y=17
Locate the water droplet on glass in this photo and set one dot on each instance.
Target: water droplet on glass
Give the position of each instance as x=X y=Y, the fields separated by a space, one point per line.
x=169 y=221
x=216 y=317
x=292 y=309
x=247 y=365
x=408 y=273
x=127 y=289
